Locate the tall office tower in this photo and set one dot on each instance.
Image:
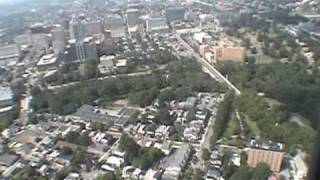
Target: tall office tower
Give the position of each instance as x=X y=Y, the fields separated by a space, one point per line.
x=76 y=29
x=175 y=13
x=157 y=24
x=132 y=17
x=81 y=51
x=92 y=27
x=58 y=40
x=115 y=24
x=90 y=49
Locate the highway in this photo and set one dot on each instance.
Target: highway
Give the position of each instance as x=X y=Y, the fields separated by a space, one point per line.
x=213 y=72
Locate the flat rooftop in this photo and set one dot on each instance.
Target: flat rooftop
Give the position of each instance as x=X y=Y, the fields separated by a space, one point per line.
x=47 y=59
x=9 y=51
x=5 y=93
x=93 y=114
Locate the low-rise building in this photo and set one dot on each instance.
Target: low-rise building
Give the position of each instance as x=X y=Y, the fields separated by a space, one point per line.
x=9 y=54
x=89 y=114
x=106 y=64
x=6 y=99
x=174 y=164
x=47 y=62
x=272 y=158
x=7 y=160
x=213 y=174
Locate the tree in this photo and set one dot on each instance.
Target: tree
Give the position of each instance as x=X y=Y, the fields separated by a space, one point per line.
x=191 y=115
x=107 y=176
x=205 y=154
x=254 y=50
x=148 y=158
x=197 y=174
x=72 y=136
x=128 y=145
x=84 y=140
x=60 y=175
x=222 y=118
x=66 y=151
x=242 y=173
x=164 y=117
x=261 y=171
x=243 y=158
x=78 y=157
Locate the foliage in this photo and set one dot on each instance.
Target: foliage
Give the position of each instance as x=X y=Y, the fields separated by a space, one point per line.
x=205 y=154
x=197 y=174
x=261 y=171
x=5 y=121
x=25 y=173
x=107 y=176
x=273 y=122
x=81 y=139
x=97 y=126
x=147 y=158
x=181 y=79
x=164 y=117
x=143 y=158
x=222 y=117
x=288 y=83
x=90 y=69
x=144 y=98
x=242 y=173
x=60 y=175
x=176 y=133
x=77 y=157
x=66 y=151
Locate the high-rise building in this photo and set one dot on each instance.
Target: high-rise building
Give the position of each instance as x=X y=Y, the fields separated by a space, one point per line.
x=81 y=51
x=157 y=25
x=76 y=29
x=92 y=27
x=132 y=17
x=175 y=13
x=58 y=40
x=81 y=46
x=115 y=24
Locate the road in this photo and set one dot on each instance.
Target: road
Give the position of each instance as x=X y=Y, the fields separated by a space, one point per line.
x=213 y=72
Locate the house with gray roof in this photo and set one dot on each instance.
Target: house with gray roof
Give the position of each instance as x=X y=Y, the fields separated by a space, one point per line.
x=174 y=163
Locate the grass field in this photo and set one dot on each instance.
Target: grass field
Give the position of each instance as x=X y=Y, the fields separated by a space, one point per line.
x=253 y=127
x=233 y=127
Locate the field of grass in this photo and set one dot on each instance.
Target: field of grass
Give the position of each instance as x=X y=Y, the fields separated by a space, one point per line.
x=233 y=127
x=252 y=126
x=273 y=102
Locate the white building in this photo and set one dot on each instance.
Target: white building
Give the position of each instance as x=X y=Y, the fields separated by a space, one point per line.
x=47 y=62
x=106 y=64
x=6 y=99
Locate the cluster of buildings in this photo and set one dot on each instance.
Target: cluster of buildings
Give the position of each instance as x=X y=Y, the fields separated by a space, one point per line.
x=136 y=29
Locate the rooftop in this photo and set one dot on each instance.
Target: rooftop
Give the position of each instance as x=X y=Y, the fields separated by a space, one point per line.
x=91 y=113
x=8 y=159
x=272 y=158
x=175 y=159
x=47 y=59
x=5 y=93
x=9 y=51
